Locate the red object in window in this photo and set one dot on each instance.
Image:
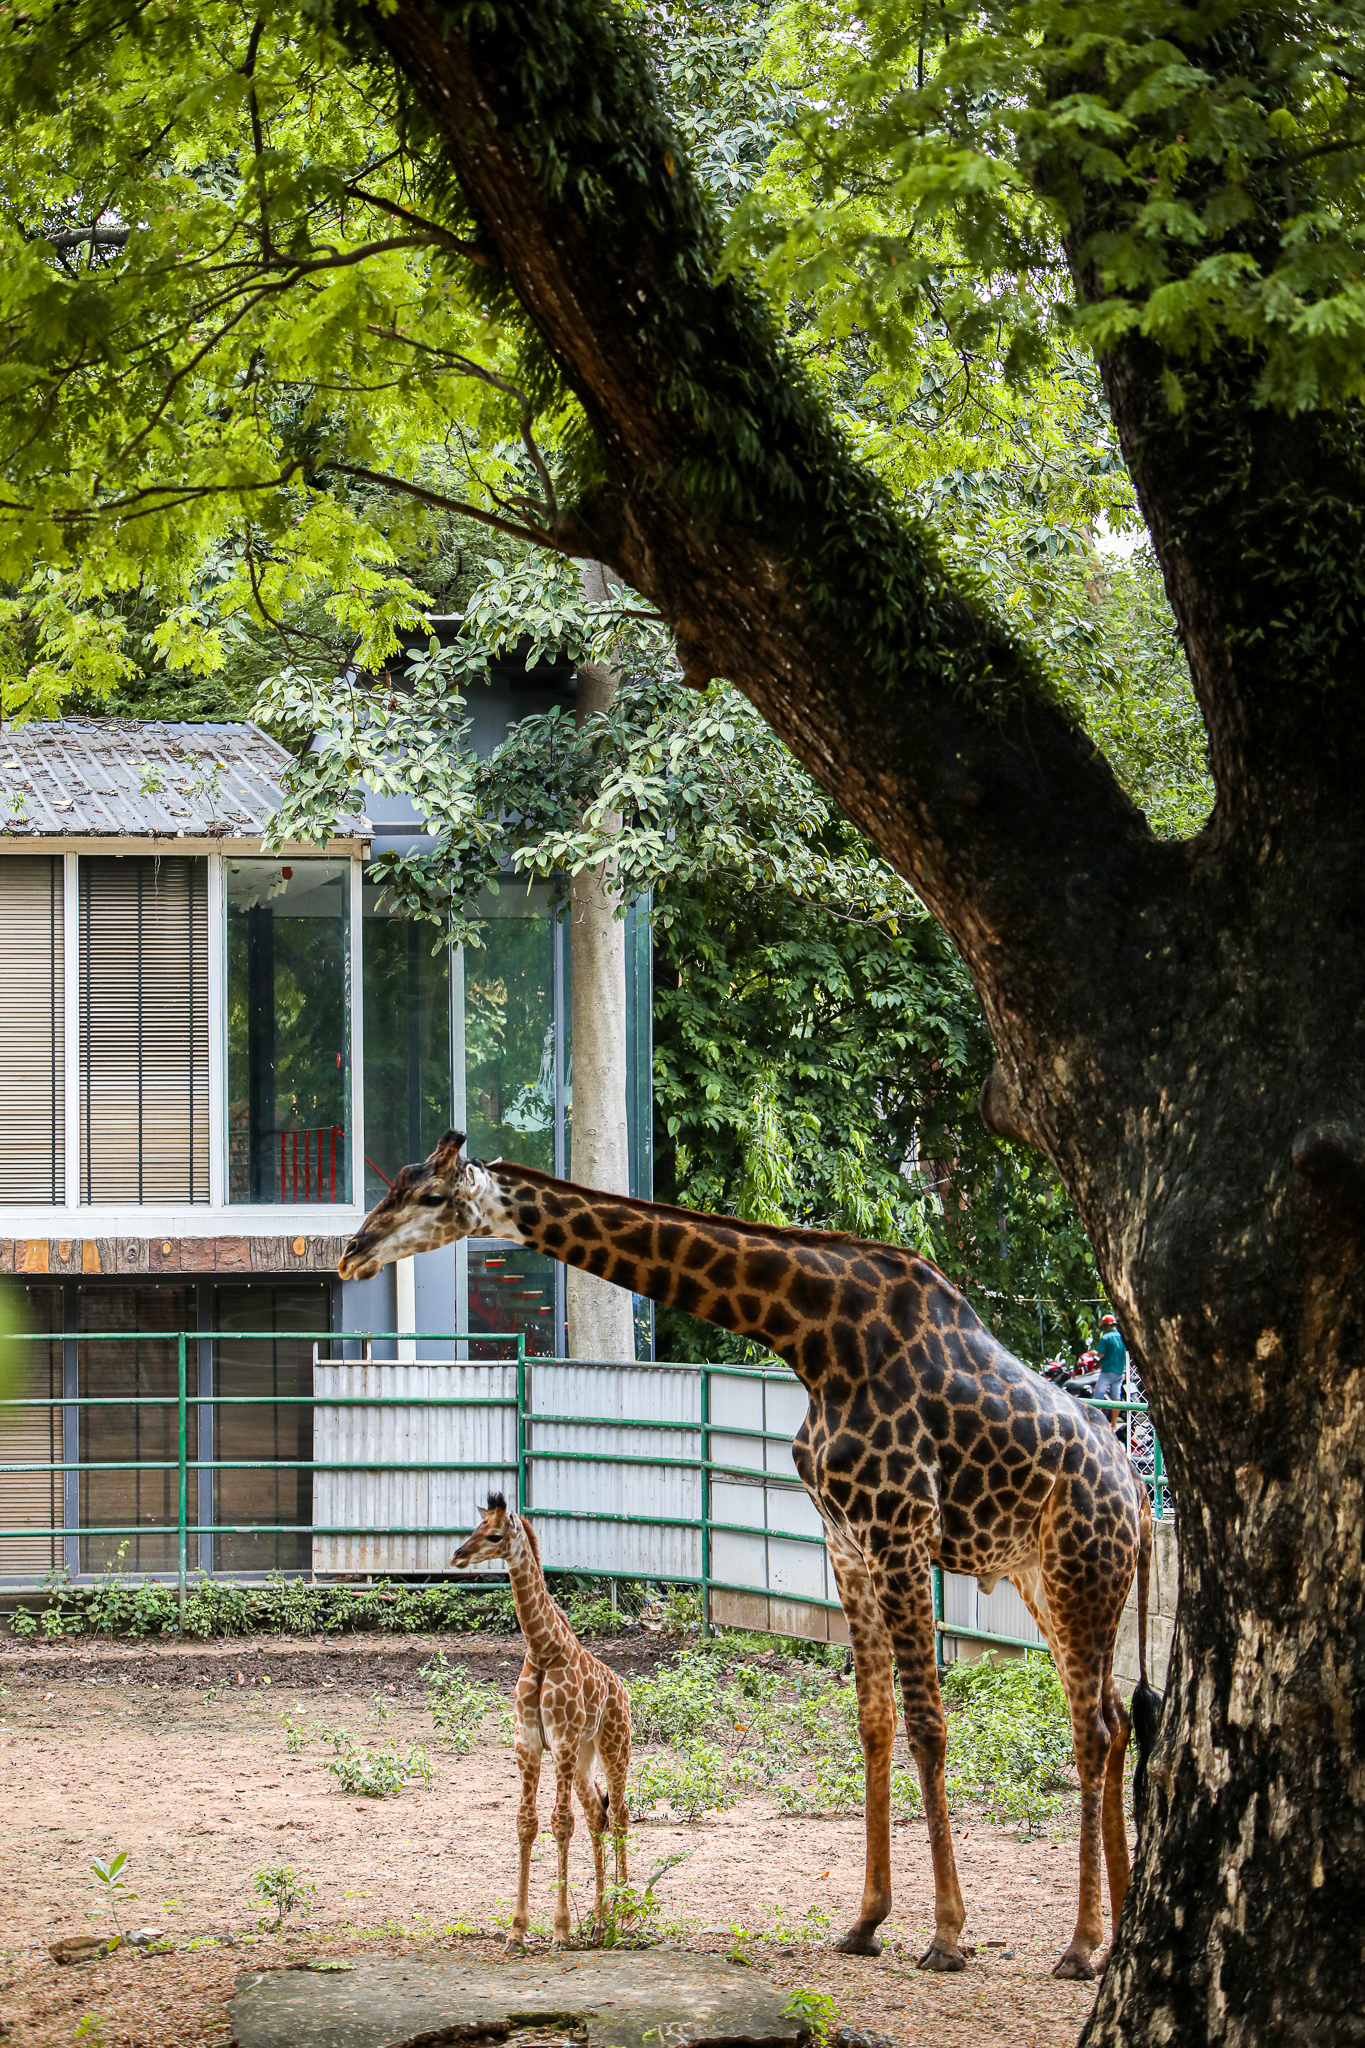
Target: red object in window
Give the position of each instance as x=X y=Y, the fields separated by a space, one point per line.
x=312 y=1163
x=288 y=874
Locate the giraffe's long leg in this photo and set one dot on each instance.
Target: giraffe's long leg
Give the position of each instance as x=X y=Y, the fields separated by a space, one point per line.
x=1083 y=1677
x=1115 y=1823
x=564 y=1746
x=529 y=1750
x=613 y=1748
x=905 y=1590
x=594 y=1813
x=877 y=1729
x=1083 y=1610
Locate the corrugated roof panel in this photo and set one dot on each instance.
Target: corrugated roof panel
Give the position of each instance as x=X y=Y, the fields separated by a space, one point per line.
x=142 y=779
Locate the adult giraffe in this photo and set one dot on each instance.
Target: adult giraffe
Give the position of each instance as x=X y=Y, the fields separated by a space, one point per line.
x=925 y=1443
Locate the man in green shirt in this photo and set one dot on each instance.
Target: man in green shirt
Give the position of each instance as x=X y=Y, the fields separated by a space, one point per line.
x=1113 y=1358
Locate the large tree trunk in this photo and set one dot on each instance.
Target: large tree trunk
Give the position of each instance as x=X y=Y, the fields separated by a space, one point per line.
x=1179 y=1027
x=601 y=1317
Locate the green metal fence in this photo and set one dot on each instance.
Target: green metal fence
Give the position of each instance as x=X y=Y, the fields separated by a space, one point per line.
x=707 y=1468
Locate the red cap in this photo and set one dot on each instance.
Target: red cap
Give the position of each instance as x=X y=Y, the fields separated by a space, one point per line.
x=1108 y=1323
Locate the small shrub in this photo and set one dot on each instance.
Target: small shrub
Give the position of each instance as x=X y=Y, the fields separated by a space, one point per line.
x=594 y=1617
x=816 y=2009
x=628 y=1915
x=692 y=1780
x=677 y=1704
x=23 y=1624
x=1009 y=1735
x=283 y=1888
x=107 y=1876
x=295 y=1734
x=458 y=1702
x=374 y=1773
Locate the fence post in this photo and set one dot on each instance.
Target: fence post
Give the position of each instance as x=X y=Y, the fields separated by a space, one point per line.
x=521 y=1425
x=705 y=1501
x=1158 y=1475
x=182 y=1511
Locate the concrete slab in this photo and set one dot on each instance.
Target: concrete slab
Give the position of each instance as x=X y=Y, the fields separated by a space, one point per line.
x=598 y=1999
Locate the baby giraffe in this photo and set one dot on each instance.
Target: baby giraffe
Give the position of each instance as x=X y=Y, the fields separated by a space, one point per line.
x=567 y=1702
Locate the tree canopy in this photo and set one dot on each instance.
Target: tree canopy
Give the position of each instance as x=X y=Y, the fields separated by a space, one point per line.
x=282 y=286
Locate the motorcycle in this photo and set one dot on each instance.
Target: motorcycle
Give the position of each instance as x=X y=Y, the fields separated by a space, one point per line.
x=1079 y=1379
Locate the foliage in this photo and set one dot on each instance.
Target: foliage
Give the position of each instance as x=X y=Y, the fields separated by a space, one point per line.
x=594 y=1616
x=816 y=2009
x=118 y=1604
x=1015 y=1729
x=1207 y=164
x=714 y=1725
x=459 y=1703
x=692 y=1780
x=629 y=1912
x=376 y=1772
x=818 y=1072
x=113 y=1893
x=282 y=1887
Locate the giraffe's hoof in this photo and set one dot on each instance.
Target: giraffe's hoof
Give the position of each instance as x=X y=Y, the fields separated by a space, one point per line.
x=938 y=1957
x=856 y=1943
x=1075 y=1967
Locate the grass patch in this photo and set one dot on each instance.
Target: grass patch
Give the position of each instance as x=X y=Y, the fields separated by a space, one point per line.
x=712 y=1725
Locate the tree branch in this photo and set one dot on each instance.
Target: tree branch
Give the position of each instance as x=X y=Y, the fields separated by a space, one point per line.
x=731 y=502
x=536 y=536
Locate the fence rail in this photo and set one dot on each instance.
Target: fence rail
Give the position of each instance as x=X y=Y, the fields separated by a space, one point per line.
x=680 y=1473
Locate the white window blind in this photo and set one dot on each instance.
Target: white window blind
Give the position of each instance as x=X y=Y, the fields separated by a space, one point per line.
x=32 y=1119
x=144 y=1030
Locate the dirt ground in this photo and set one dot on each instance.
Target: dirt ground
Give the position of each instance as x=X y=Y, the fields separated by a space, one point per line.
x=177 y=1755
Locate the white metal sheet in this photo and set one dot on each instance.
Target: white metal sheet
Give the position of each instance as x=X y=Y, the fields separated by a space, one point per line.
x=407 y=1437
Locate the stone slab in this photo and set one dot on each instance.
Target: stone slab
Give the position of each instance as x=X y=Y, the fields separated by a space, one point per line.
x=600 y=1999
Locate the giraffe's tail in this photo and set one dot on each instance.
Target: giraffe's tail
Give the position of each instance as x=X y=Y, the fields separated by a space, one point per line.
x=1147 y=1701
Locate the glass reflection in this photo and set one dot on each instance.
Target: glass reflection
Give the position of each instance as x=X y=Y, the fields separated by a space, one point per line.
x=509 y=1026
x=288 y=1036
x=407 y=1043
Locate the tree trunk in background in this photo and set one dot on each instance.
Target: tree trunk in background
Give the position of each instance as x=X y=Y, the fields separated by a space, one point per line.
x=600 y=1317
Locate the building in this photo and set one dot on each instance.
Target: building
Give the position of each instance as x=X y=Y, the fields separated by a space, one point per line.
x=215 y=1059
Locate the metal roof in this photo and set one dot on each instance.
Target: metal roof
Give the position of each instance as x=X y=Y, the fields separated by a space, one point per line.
x=132 y=778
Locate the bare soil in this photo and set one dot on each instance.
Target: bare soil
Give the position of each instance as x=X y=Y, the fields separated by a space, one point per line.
x=128 y=1747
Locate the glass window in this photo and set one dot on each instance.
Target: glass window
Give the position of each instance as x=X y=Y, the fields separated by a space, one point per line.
x=512 y=1291
x=144 y=1029
x=273 y=1369
x=509 y=1028
x=33 y=1436
x=143 y=1504
x=289 y=1033
x=32 y=1104
x=407 y=1042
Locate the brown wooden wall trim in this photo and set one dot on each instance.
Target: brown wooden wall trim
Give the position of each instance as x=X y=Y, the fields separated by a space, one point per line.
x=67 y=1256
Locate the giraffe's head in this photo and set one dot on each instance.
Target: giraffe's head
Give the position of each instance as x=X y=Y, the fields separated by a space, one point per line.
x=500 y=1534
x=432 y=1203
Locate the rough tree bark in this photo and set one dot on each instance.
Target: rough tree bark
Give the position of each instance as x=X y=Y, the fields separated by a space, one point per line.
x=600 y=1317
x=1179 y=1027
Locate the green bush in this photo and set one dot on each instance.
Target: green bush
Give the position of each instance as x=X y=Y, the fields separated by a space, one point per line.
x=120 y=1604
x=459 y=1704
x=374 y=1773
x=1009 y=1735
x=594 y=1616
x=691 y=1780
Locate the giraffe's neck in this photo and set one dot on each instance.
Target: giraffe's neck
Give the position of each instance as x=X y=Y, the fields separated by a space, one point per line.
x=780 y=1287
x=548 y=1636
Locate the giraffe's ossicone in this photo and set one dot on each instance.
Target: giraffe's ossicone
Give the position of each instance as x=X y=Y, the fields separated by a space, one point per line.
x=567 y=1702
x=925 y=1443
